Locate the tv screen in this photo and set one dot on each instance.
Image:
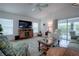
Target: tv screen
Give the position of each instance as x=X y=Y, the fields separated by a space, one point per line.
x=25 y=24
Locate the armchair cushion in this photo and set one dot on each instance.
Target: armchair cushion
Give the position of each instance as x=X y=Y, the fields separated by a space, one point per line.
x=7 y=48
x=21 y=50
x=1 y=54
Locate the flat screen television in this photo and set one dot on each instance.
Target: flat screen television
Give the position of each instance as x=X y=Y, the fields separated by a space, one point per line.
x=25 y=24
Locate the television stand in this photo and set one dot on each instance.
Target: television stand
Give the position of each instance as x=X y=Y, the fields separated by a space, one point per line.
x=25 y=33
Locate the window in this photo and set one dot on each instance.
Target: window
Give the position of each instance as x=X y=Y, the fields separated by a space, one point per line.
x=64 y=26
x=67 y=25
x=7 y=26
x=35 y=27
x=76 y=26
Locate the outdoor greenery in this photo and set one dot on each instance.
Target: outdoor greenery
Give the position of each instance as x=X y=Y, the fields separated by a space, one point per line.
x=64 y=27
x=77 y=27
x=1 y=28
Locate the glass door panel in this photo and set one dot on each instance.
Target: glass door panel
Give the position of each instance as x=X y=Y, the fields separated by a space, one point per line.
x=76 y=27
x=68 y=25
x=63 y=27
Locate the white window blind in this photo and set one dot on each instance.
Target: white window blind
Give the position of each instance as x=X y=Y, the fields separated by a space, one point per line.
x=35 y=27
x=7 y=26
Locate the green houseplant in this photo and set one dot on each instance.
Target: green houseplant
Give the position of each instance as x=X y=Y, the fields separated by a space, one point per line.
x=1 y=29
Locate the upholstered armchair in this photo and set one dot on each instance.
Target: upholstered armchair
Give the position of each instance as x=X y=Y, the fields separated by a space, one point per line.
x=7 y=49
x=73 y=35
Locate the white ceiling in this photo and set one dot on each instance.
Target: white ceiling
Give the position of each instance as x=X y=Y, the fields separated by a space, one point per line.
x=52 y=11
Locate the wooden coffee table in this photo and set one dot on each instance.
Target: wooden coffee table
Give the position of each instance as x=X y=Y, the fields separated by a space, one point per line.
x=56 y=51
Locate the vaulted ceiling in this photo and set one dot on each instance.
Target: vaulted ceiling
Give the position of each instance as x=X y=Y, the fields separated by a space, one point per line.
x=42 y=11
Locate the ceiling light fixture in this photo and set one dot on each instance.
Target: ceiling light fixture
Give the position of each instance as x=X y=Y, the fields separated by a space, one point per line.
x=33 y=9
x=75 y=4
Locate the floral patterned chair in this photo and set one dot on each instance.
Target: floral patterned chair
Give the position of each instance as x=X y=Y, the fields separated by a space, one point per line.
x=7 y=49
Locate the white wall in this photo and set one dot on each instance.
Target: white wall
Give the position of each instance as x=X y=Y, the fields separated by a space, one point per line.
x=45 y=28
x=16 y=19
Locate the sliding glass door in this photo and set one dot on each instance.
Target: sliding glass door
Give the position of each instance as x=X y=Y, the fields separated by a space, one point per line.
x=68 y=25
x=76 y=27
x=63 y=26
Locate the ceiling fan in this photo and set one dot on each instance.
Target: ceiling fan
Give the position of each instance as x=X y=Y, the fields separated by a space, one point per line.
x=39 y=6
x=75 y=5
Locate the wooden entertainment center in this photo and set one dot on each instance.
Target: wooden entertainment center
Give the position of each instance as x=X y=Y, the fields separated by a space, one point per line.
x=25 y=33
x=25 y=30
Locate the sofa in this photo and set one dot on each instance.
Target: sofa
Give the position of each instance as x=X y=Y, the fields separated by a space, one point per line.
x=7 y=49
x=59 y=51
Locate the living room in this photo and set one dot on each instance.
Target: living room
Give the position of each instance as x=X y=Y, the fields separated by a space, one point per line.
x=25 y=25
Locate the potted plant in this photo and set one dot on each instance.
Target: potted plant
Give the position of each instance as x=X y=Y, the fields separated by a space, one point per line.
x=1 y=29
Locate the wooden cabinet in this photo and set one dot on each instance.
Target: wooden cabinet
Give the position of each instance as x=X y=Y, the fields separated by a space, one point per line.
x=25 y=33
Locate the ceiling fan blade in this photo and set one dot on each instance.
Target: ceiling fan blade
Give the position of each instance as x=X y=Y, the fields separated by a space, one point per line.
x=39 y=6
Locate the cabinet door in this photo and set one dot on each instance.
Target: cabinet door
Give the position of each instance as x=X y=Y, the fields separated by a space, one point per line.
x=27 y=34
x=30 y=34
x=22 y=34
